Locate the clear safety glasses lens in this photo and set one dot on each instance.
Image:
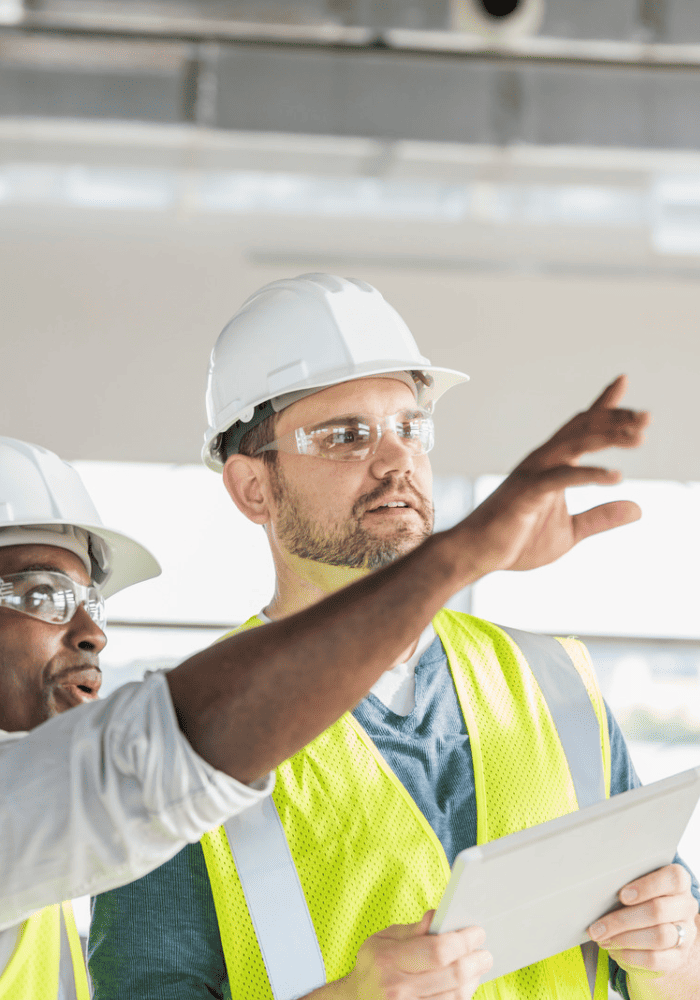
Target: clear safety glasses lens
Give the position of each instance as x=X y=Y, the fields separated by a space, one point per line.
x=51 y=597
x=352 y=439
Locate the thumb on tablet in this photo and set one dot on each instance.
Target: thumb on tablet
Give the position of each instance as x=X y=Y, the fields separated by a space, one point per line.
x=402 y=932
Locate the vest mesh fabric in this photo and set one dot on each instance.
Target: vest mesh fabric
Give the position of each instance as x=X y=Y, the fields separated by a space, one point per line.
x=520 y=769
x=365 y=855
x=510 y=729
x=32 y=972
x=395 y=884
x=331 y=798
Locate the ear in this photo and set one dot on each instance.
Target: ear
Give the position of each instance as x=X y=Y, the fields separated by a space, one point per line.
x=247 y=483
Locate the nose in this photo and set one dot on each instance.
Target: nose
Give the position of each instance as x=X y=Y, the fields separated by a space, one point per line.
x=84 y=633
x=393 y=456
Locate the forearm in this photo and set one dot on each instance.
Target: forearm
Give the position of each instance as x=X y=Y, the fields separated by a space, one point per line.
x=681 y=985
x=99 y=796
x=253 y=700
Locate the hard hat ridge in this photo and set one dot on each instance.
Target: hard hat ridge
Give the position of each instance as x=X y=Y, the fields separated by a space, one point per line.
x=299 y=335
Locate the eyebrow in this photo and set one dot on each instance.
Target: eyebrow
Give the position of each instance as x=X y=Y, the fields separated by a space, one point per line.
x=345 y=418
x=412 y=411
x=43 y=568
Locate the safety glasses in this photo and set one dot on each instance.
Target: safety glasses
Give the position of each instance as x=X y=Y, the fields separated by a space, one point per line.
x=354 y=438
x=50 y=596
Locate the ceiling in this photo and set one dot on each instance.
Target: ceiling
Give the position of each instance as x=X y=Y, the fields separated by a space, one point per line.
x=531 y=206
x=597 y=74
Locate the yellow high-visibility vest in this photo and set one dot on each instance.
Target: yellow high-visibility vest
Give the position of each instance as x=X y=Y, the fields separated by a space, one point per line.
x=341 y=850
x=39 y=963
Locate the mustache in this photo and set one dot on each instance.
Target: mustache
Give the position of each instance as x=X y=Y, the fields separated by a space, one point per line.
x=405 y=486
x=89 y=670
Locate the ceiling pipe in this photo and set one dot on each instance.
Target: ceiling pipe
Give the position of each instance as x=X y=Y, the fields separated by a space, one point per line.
x=435 y=44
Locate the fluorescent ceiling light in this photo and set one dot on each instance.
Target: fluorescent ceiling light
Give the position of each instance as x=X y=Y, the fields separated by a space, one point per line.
x=125 y=189
x=297 y=194
x=666 y=212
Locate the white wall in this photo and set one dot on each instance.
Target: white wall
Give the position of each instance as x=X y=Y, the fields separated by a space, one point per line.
x=108 y=320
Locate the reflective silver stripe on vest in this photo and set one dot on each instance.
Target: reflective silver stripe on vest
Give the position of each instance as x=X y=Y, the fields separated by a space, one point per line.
x=590 y=961
x=571 y=709
x=276 y=901
x=66 y=972
x=578 y=728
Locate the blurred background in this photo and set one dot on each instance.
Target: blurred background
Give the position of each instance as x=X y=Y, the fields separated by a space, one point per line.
x=520 y=178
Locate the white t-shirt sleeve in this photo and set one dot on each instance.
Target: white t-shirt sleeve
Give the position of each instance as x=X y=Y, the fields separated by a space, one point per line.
x=102 y=794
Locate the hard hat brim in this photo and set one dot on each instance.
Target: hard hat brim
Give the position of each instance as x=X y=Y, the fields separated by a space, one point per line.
x=129 y=561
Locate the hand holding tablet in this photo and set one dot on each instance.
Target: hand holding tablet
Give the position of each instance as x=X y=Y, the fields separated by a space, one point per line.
x=536 y=892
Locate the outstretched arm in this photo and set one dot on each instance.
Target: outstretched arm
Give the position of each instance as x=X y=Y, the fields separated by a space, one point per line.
x=255 y=699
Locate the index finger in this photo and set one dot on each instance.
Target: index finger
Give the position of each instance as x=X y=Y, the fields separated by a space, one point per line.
x=436 y=951
x=611 y=394
x=668 y=881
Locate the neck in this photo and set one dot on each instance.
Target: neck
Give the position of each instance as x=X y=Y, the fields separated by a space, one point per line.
x=302 y=582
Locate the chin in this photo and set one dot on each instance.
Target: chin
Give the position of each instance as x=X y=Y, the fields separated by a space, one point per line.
x=387 y=553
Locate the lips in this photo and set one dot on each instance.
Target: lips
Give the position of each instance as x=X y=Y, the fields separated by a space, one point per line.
x=382 y=499
x=390 y=505
x=78 y=685
x=398 y=492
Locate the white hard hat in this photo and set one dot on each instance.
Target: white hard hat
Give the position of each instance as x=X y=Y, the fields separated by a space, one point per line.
x=43 y=499
x=301 y=334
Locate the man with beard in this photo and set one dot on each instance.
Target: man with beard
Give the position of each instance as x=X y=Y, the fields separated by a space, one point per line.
x=320 y=409
x=96 y=797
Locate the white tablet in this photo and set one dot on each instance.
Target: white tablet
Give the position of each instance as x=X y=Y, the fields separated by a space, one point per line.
x=536 y=891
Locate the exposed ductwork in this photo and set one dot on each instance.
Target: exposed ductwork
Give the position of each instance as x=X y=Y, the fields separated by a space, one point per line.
x=362 y=68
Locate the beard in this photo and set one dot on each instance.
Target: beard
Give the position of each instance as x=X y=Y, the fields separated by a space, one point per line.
x=349 y=544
